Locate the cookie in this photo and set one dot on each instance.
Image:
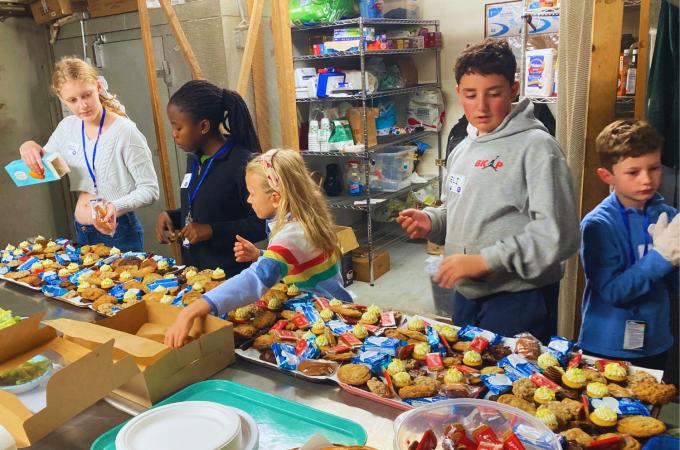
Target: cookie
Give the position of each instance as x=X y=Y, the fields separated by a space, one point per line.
x=315 y=368
x=92 y=293
x=354 y=374
x=263 y=342
x=563 y=414
x=639 y=377
x=640 y=426
x=654 y=393
x=461 y=346
x=417 y=391
x=524 y=389
x=573 y=407
x=378 y=388
x=618 y=391
x=263 y=319
x=578 y=435
x=510 y=399
x=492 y=369
x=340 y=357
x=593 y=376
x=244 y=331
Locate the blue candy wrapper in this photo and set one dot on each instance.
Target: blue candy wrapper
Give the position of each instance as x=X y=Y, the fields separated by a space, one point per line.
x=517 y=367
x=73 y=278
x=415 y=402
x=117 y=291
x=307 y=349
x=5 y=270
x=310 y=313
x=53 y=291
x=534 y=438
x=338 y=326
x=285 y=356
x=560 y=348
x=468 y=333
x=26 y=265
x=381 y=344
x=7 y=257
x=61 y=241
x=165 y=282
x=372 y=359
x=49 y=277
x=622 y=406
x=296 y=303
x=434 y=341
x=140 y=255
x=497 y=383
x=73 y=253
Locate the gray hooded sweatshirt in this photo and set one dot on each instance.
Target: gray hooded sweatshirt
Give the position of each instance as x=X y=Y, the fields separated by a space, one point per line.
x=508 y=196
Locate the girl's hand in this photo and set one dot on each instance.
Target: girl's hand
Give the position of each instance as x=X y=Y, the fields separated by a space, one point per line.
x=456 y=267
x=415 y=223
x=178 y=333
x=245 y=251
x=197 y=232
x=31 y=154
x=164 y=228
x=105 y=222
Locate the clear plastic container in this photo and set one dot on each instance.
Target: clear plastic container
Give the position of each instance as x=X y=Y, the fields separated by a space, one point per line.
x=393 y=168
x=401 y=9
x=411 y=425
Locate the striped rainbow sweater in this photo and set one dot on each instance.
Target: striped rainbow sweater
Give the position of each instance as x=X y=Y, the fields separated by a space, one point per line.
x=290 y=258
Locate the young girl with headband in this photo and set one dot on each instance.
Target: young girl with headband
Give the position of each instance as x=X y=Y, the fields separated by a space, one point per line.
x=110 y=161
x=303 y=248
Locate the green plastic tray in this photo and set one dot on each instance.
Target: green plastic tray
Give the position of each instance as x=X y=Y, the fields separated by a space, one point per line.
x=282 y=424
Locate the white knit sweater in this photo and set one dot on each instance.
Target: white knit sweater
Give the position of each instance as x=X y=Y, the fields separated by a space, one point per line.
x=123 y=166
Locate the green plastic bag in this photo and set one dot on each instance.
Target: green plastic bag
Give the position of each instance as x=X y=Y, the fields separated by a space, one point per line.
x=308 y=12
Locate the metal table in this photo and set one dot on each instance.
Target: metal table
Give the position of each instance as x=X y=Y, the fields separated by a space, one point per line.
x=82 y=430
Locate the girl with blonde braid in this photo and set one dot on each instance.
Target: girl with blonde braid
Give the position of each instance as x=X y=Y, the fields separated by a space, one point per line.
x=108 y=157
x=303 y=248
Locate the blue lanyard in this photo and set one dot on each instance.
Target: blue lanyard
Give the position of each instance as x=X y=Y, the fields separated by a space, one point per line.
x=94 y=150
x=192 y=194
x=645 y=225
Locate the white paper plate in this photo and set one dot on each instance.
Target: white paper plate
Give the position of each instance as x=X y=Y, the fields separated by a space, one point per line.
x=197 y=425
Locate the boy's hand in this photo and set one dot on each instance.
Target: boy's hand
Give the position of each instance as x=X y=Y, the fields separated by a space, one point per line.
x=456 y=267
x=416 y=223
x=666 y=238
x=197 y=232
x=244 y=250
x=164 y=228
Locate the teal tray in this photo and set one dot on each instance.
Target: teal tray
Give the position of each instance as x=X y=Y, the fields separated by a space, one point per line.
x=282 y=424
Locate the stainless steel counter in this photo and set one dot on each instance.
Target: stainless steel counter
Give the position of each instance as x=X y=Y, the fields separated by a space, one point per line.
x=82 y=430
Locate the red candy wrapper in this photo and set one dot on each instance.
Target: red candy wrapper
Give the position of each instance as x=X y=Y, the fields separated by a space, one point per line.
x=387 y=319
x=456 y=433
x=467 y=370
x=434 y=361
x=484 y=433
x=602 y=363
x=370 y=328
x=608 y=443
x=285 y=335
x=349 y=339
x=543 y=381
x=586 y=406
x=338 y=349
x=322 y=302
x=301 y=346
x=406 y=351
x=445 y=344
x=261 y=304
x=512 y=442
x=428 y=441
x=479 y=344
x=489 y=446
x=575 y=360
x=300 y=321
x=280 y=325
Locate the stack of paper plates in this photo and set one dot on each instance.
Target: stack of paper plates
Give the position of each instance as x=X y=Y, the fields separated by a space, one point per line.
x=189 y=425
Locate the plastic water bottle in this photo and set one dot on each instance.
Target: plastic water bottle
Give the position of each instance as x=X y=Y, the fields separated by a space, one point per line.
x=313 y=136
x=324 y=134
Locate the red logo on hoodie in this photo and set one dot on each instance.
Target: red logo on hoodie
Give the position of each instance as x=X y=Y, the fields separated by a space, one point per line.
x=494 y=164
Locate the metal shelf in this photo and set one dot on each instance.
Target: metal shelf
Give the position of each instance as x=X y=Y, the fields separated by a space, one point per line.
x=377 y=94
x=543 y=99
x=370 y=22
x=347 y=201
x=383 y=143
x=367 y=53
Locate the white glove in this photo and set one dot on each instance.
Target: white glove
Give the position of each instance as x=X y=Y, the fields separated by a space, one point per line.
x=666 y=238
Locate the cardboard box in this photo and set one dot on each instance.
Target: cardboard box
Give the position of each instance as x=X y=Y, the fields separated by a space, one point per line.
x=381 y=264
x=354 y=116
x=55 y=169
x=88 y=376
x=348 y=242
x=103 y=8
x=45 y=11
x=139 y=331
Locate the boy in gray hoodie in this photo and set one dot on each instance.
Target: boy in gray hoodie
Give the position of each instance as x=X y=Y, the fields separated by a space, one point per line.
x=508 y=218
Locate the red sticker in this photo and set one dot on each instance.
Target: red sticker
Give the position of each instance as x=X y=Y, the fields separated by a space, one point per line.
x=387 y=319
x=349 y=339
x=300 y=321
x=280 y=325
x=434 y=361
x=479 y=344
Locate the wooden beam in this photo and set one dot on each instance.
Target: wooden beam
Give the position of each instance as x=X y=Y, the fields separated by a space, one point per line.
x=642 y=61
x=150 y=63
x=260 y=89
x=606 y=43
x=180 y=37
x=249 y=50
x=285 y=82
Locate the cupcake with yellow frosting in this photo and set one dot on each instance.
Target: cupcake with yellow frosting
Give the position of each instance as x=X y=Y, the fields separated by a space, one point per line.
x=124 y=275
x=274 y=304
x=292 y=291
x=242 y=314
x=130 y=295
x=167 y=299
x=89 y=259
x=308 y=335
x=160 y=290
x=454 y=376
x=162 y=265
x=107 y=283
x=114 y=251
x=36 y=248
x=374 y=309
x=543 y=395
x=197 y=287
x=326 y=314
x=395 y=366
x=218 y=274
x=615 y=372
x=603 y=416
x=322 y=341
x=335 y=302
x=401 y=379
x=472 y=358
x=416 y=325
x=10 y=248
x=547 y=417
x=105 y=268
x=318 y=327
x=421 y=350
x=36 y=267
x=24 y=245
x=47 y=263
x=63 y=273
x=574 y=378
x=190 y=274
x=82 y=286
x=369 y=318
x=449 y=333
x=17 y=252
x=359 y=331
x=597 y=390
x=547 y=360
x=73 y=267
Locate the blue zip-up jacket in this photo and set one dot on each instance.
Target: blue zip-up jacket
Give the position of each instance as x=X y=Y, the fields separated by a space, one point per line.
x=618 y=289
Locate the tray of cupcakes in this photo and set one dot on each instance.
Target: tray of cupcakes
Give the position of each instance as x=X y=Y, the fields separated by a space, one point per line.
x=406 y=361
x=21 y=264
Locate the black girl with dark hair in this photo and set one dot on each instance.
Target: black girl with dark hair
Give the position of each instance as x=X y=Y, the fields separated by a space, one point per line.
x=214 y=208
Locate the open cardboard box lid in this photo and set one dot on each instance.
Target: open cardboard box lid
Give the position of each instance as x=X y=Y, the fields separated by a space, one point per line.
x=88 y=376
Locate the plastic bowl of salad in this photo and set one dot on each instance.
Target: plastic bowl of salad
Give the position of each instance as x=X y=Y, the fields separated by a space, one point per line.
x=27 y=375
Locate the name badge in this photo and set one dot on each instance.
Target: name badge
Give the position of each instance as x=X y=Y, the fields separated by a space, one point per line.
x=634 y=335
x=456 y=183
x=73 y=148
x=186 y=181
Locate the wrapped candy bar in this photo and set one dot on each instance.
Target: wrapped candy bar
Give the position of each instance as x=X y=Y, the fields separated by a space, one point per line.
x=468 y=333
x=338 y=326
x=527 y=346
x=310 y=313
x=164 y=282
x=621 y=406
x=53 y=291
x=561 y=348
x=49 y=277
x=73 y=278
x=434 y=340
x=497 y=383
x=517 y=367
x=382 y=344
x=374 y=360
x=415 y=402
x=307 y=349
x=26 y=265
x=285 y=356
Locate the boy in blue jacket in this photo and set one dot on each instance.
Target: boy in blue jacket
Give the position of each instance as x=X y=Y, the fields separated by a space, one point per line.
x=629 y=251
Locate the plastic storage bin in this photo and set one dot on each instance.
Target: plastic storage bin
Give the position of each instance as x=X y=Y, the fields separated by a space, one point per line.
x=401 y=9
x=532 y=433
x=371 y=9
x=393 y=168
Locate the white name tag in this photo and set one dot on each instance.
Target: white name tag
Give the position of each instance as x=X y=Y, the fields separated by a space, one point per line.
x=72 y=148
x=456 y=183
x=634 y=335
x=186 y=181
